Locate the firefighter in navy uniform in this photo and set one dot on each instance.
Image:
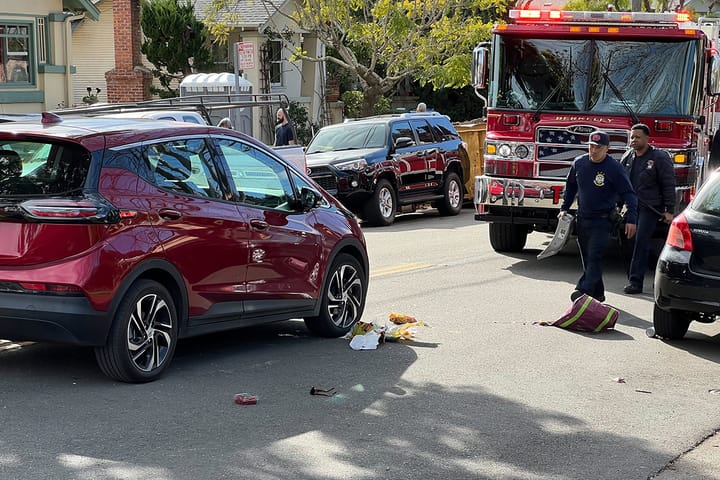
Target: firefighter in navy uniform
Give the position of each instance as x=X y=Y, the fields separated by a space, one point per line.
x=652 y=176
x=599 y=182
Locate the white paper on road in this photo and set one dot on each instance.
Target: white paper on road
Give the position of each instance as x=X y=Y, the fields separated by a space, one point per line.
x=369 y=341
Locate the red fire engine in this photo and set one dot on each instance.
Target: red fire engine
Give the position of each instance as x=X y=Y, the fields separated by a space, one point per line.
x=554 y=76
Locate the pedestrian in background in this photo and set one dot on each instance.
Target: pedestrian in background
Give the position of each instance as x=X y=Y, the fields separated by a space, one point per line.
x=421 y=107
x=652 y=176
x=283 y=130
x=599 y=182
x=225 y=123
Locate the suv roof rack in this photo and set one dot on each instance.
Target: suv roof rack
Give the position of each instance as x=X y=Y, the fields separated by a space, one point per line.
x=202 y=103
x=387 y=116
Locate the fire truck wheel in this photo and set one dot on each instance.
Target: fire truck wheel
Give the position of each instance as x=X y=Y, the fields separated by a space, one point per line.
x=506 y=237
x=380 y=209
x=451 y=204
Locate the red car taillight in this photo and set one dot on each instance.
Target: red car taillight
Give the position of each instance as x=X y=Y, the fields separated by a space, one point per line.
x=85 y=210
x=61 y=209
x=679 y=235
x=55 y=288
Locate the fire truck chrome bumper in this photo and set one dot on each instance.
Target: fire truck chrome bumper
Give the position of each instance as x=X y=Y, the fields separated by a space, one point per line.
x=514 y=192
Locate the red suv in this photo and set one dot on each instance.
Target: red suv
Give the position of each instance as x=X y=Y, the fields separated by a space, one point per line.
x=127 y=235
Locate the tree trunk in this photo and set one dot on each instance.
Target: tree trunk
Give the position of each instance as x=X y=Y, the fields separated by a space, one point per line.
x=636 y=5
x=370 y=98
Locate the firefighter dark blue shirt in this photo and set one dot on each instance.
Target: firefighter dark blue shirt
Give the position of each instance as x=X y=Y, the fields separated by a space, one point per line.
x=653 y=176
x=598 y=187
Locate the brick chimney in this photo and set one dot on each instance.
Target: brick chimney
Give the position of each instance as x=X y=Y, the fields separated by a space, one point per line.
x=129 y=81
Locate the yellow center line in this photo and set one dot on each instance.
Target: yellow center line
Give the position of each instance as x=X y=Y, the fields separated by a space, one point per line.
x=402 y=268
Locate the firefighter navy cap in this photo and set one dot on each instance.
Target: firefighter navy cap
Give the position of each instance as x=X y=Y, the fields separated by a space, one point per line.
x=599 y=137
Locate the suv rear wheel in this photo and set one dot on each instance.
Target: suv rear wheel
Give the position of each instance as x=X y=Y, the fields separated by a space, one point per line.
x=451 y=204
x=143 y=335
x=672 y=325
x=380 y=209
x=343 y=298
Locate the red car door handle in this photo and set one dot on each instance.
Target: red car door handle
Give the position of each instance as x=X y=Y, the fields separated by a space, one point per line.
x=258 y=224
x=169 y=214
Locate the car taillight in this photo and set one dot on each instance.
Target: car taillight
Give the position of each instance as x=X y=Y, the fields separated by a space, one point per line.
x=51 y=288
x=679 y=235
x=61 y=209
x=87 y=210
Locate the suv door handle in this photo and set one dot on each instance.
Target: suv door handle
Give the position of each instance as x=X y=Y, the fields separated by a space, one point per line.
x=431 y=151
x=169 y=214
x=258 y=224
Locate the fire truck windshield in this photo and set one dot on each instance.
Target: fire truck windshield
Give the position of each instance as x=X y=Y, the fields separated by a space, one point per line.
x=654 y=77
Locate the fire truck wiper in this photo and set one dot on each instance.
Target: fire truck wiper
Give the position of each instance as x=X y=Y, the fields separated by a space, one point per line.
x=620 y=97
x=570 y=72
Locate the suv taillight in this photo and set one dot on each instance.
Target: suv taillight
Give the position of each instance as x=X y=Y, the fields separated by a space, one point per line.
x=679 y=235
x=85 y=210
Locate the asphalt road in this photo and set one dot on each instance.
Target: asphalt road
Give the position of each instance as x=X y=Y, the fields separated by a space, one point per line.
x=482 y=393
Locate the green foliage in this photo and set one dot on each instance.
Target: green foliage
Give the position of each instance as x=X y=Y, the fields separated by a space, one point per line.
x=303 y=127
x=382 y=106
x=596 y=5
x=353 y=101
x=460 y=104
x=381 y=42
x=172 y=36
x=91 y=98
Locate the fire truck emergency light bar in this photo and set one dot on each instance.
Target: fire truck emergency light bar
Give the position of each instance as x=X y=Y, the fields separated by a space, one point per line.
x=532 y=16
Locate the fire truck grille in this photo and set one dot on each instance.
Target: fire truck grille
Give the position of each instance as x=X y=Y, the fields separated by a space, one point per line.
x=558 y=146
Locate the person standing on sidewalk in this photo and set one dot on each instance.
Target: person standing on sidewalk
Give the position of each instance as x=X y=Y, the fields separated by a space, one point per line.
x=652 y=176
x=598 y=181
x=284 y=134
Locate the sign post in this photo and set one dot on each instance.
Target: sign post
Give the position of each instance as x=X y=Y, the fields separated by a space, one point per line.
x=244 y=57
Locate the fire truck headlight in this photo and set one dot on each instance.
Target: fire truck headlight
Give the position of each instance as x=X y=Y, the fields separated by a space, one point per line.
x=504 y=150
x=521 y=151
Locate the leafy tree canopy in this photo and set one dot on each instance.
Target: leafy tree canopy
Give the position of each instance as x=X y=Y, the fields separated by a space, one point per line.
x=173 y=36
x=383 y=41
x=622 y=5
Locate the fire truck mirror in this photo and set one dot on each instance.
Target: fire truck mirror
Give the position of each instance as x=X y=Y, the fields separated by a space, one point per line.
x=714 y=75
x=479 y=65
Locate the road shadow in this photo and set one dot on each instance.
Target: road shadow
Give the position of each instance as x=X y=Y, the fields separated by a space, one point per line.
x=698 y=344
x=611 y=334
x=379 y=425
x=420 y=220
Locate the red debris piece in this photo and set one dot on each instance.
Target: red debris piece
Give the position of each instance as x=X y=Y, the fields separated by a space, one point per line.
x=245 y=399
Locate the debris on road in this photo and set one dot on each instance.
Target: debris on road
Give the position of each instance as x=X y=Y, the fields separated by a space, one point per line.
x=367 y=336
x=618 y=380
x=245 y=399
x=400 y=318
x=322 y=392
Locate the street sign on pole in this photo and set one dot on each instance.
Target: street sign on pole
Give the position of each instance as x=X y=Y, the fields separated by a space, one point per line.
x=245 y=55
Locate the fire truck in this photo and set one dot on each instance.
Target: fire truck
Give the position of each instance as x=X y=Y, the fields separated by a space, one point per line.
x=554 y=76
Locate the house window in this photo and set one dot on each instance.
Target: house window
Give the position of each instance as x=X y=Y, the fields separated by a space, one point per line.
x=15 y=53
x=275 y=50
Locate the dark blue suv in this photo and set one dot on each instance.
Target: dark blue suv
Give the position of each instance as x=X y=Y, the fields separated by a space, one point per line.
x=383 y=165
